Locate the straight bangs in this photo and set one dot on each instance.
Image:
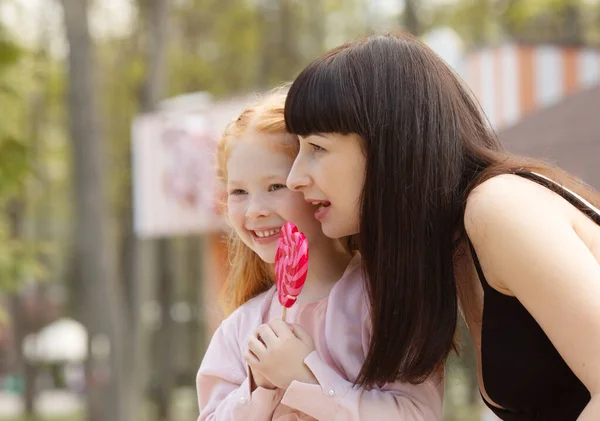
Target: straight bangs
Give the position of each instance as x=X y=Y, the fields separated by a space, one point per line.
x=326 y=98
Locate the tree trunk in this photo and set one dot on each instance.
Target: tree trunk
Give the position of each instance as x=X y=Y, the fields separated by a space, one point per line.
x=317 y=26
x=38 y=213
x=196 y=324
x=99 y=302
x=20 y=362
x=410 y=17
x=572 y=27
x=153 y=92
x=134 y=369
x=164 y=340
x=31 y=373
x=267 y=17
x=288 y=54
x=158 y=19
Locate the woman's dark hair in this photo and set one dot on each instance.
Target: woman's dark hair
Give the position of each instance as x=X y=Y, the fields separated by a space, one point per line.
x=427 y=145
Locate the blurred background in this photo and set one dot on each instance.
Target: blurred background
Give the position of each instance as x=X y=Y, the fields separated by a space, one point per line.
x=111 y=251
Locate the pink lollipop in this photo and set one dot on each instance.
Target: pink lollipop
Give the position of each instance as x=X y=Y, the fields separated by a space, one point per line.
x=291 y=265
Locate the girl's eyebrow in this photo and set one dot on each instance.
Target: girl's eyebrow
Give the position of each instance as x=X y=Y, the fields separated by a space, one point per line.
x=266 y=178
x=273 y=177
x=234 y=181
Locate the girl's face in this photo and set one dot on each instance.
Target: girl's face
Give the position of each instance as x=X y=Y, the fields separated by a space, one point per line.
x=330 y=170
x=258 y=201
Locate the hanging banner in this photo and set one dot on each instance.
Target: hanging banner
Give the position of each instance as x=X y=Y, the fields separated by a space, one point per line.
x=175 y=188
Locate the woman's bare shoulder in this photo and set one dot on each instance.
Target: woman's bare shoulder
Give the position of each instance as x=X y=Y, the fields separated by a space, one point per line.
x=508 y=199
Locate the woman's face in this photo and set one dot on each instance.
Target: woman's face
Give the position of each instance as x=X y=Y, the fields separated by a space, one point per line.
x=330 y=170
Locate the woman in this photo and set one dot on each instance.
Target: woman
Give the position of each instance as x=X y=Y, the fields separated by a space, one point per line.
x=395 y=151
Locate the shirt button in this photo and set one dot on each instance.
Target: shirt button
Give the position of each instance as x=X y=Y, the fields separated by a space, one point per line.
x=331 y=392
x=242 y=400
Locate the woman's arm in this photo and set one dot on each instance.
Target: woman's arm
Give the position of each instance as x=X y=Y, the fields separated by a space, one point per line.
x=528 y=247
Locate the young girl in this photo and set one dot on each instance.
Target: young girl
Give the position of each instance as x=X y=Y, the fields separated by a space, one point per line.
x=258 y=367
x=398 y=152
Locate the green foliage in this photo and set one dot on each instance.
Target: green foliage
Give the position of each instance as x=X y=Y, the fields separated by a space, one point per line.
x=10 y=53
x=14 y=165
x=484 y=22
x=17 y=254
x=220 y=55
x=19 y=259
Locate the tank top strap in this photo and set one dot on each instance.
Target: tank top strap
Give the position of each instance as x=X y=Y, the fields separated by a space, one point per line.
x=481 y=276
x=581 y=204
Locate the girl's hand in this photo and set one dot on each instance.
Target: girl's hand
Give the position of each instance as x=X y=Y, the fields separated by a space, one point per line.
x=258 y=380
x=277 y=351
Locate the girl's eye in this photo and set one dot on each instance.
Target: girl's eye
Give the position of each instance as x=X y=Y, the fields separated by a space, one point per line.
x=275 y=187
x=316 y=148
x=237 y=192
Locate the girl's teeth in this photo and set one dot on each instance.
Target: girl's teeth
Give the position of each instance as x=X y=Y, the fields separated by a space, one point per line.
x=266 y=233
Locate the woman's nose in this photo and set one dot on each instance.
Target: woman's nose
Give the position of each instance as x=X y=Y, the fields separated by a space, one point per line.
x=298 y=178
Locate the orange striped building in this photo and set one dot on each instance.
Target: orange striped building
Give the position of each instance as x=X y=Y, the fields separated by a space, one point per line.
x=513 y=80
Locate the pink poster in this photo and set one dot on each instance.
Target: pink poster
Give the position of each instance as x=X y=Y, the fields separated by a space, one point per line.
x=176 y=191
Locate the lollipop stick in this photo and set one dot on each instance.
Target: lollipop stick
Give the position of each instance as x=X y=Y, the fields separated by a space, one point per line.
x=283 y=312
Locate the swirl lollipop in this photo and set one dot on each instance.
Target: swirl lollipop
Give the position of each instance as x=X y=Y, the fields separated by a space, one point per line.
x=291 y=265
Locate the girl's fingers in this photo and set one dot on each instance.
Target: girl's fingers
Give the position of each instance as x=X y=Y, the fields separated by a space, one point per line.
x=267 y=335
x=281 y=329
x=251 y=359
x=256 y=346
x=301 y=334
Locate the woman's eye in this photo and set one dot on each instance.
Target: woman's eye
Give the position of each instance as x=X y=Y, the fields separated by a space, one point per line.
x=316 y=148
x=275 y=187
x=237 y=192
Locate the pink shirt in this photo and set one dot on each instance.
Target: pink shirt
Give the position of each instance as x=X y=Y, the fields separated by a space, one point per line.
x=340 y=327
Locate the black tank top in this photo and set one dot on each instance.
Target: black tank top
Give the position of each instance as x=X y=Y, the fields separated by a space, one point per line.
x=522 y=371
